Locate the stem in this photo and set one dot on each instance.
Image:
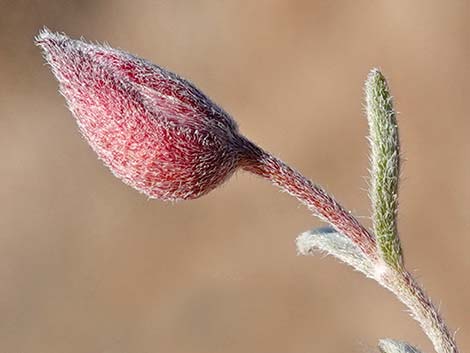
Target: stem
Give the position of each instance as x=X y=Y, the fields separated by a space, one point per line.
x=410 y=293
x=400 y=283
x=259 y=162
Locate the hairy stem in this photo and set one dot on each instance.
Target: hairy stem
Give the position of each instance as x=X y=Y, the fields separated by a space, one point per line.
x=410 y=293
x=313 y=196
x=399 y=282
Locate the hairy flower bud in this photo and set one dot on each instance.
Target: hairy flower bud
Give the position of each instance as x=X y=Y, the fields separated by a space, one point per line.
x=164 y=137
x=153 y=129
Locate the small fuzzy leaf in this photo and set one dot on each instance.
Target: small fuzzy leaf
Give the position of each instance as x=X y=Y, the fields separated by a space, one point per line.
x=385 y=166
x=327 y=240
x=388 y=345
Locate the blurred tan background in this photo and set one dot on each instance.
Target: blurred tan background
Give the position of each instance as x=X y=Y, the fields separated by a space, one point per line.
x=89 y=265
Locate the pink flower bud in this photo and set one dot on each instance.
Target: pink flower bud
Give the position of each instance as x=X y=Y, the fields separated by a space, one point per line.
x=164 y=137
x=153 y=129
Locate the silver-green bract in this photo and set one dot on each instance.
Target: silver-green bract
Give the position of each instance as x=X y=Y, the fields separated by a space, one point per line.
x=388 y=345
x=328 y=241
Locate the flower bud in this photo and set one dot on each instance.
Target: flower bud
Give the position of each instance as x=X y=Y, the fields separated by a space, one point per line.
x=154 y=130
x=161 y=135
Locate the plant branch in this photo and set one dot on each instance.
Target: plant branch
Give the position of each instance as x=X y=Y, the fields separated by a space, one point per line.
x=313 y=196
x=399 y=282
x=410 y=293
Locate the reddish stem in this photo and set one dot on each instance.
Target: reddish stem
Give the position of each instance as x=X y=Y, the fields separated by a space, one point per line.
x=259 y=162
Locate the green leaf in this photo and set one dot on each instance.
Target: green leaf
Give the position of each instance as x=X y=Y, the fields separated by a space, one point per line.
x=385 y=166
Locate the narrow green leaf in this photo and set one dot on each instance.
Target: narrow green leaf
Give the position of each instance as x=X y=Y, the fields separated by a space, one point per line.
x=385 y=166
